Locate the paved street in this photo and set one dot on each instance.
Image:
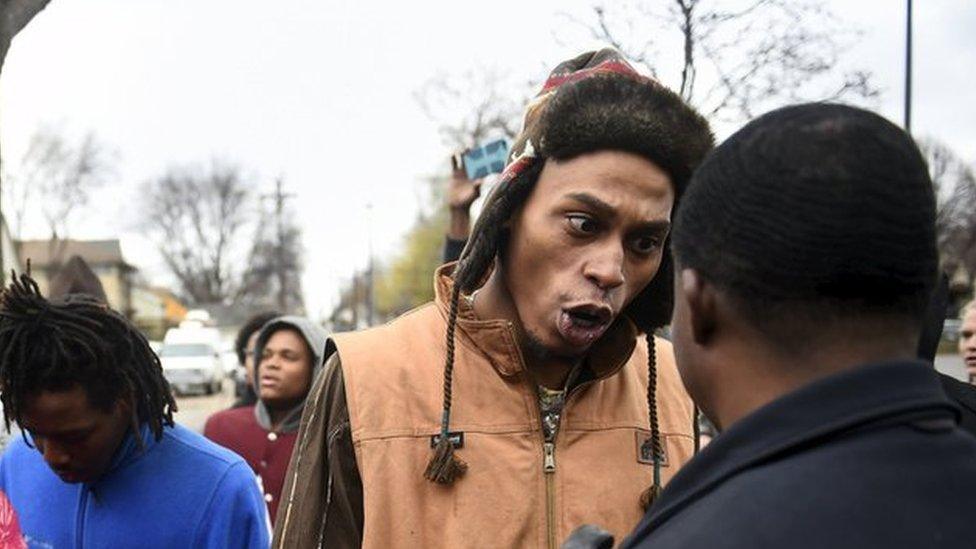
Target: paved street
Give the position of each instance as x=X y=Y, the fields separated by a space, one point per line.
x=195 y=409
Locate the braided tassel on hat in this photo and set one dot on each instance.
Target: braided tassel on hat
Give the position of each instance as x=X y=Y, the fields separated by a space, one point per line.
x=444 y=467
x=651 y=494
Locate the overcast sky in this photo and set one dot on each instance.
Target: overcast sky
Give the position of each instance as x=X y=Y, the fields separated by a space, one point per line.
x=322 y=93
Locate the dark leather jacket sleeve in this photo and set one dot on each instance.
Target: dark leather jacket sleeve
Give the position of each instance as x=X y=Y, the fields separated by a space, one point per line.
x=323 y=494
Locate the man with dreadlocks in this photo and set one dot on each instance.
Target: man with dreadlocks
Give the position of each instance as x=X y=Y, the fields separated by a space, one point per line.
x=523 y=401
x=806 y=255
x=100 y=462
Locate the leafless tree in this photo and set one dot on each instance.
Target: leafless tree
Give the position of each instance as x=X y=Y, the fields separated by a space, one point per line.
x=473 y=106
x=56 y=177
x=14 y=16
x=197 y=219
x=736 y=58
x=955 y=188
x=218 y=241
x=274 y=264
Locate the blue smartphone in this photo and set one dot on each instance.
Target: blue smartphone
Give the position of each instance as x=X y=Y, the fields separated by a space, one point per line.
x=486 y=159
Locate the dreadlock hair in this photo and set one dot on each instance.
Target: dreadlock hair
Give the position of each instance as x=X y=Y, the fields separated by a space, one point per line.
x=601 y=112
x=811 y=215
x=77 y=341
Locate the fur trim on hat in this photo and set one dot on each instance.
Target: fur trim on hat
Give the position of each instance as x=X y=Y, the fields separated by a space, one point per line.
x=617 y=112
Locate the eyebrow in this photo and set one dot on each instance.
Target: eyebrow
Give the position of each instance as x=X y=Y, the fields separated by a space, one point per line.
x=606 y=210
x=280 y=350
x=602 y=207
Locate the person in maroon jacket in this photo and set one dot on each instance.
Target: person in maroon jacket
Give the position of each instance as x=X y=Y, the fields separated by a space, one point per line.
x=288 y=354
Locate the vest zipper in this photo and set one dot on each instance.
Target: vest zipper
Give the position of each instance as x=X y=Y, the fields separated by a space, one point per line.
x=549 y=461
x=549 y=468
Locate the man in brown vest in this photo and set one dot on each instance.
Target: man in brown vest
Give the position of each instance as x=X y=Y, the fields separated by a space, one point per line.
x=522 y=402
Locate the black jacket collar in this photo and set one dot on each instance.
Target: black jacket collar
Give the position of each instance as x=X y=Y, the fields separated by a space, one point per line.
x=963 y=395
x=960 y=392
x=840 y=403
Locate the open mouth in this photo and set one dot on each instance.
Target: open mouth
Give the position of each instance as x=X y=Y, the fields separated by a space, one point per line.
x=589 y=316
x=584 y=324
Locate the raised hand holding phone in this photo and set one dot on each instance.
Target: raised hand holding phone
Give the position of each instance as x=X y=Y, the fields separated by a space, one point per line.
x=461 y=194
x=485 y=159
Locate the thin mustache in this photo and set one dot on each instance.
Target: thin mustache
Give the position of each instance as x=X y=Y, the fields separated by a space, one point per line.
x=601 y=299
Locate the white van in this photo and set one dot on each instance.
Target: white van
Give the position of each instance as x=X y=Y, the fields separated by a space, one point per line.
x=191 y=360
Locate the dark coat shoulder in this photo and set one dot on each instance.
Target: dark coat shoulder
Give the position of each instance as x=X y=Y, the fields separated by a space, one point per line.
x=963 y=395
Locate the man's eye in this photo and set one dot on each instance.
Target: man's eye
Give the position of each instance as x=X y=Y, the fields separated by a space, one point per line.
x=582 y=223
x=645 y=244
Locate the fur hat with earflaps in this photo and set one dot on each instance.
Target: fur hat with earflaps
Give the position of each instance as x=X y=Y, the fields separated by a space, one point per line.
x=595 y=101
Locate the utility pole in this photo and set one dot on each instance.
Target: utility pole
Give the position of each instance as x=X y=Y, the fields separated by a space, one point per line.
x=280 y=268
x=908 y=70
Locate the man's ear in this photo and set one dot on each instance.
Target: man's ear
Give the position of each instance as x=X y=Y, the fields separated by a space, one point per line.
x=699 y=296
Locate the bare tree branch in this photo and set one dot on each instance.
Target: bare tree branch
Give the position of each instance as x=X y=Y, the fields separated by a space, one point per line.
x=750 y=55
x=955 y=188
x=687 y=25
x=55 y=178
x=275 y=259
x=196 y=218
x=472 y=106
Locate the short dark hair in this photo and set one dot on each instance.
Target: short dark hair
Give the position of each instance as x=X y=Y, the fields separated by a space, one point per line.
x=252 y=325
x=77 y=341
x=813 y=212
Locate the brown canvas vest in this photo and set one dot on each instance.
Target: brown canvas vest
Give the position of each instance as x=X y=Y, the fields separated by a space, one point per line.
x=513 y=494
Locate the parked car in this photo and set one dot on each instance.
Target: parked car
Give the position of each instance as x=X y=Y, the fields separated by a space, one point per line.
x=191 y=360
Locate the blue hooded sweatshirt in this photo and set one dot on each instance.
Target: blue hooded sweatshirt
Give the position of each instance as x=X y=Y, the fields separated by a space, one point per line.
x=181 y=491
